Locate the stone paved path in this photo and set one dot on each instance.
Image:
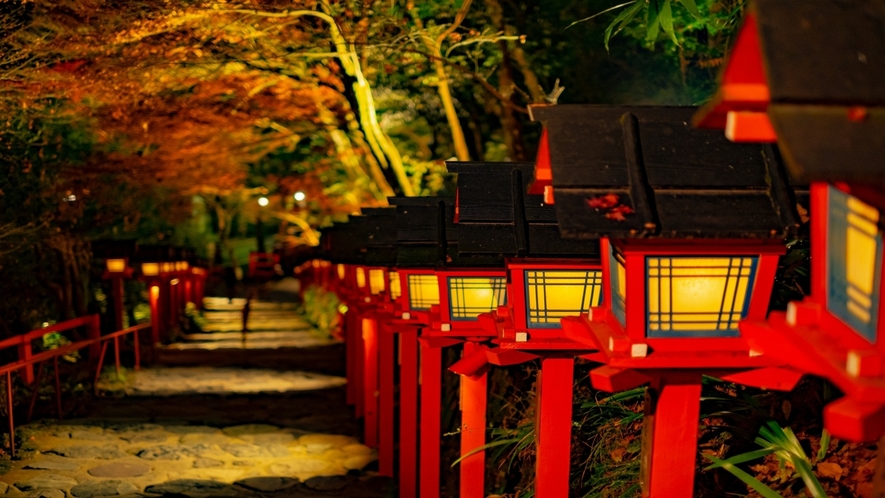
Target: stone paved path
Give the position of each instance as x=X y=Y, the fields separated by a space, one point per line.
x=203 y=432
x=172 y=381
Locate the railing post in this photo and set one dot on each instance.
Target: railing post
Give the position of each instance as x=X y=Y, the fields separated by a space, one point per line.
x=24 y=354
x=117 y=291
x=94 y=333
x=156 y=319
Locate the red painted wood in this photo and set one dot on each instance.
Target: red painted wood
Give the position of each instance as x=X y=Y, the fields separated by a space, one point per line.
x=370 y=381
x=543 y=171
x=553 y=428
x=818 y=192
x=766 y=269
x=612 y=379
x=408 y=413
x=386 y=364
x=670 y=436
x=472 y=363
x=474 y=398
x=431 y=393
x=359 y=371
x=749 y=127
x=781 y=379
x=855 y=420
x=634 y=301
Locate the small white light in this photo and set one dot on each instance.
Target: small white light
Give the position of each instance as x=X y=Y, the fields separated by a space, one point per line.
x=45 y=324
x=445 y=327
x=755 y=352
x=368 y=299
x=407 y=316
x=791 y=313
x=522 y=337
x=639 y=351
x=174 y=281
x=300 y=196
x=852 y=363
x=262 y=201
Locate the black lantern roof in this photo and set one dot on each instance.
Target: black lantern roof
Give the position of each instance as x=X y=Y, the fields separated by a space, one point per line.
x=825 y=66
x=114 y=248
x=497 y=216
x=381 y=236
x=646 y=172
x=428 y=237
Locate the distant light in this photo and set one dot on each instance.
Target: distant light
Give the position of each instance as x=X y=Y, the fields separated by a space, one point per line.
x=300 y=196
x=70 y=198
x=116 y=265
x=45 y=324
x=174 y=281
x=262 y=201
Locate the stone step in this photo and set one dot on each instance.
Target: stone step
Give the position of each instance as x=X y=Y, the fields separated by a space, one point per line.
x=231 y=343
x=251 y=335
x=324 y=356
x=222 y=304
x=262 y=314
x=296 y=323
x=178 y=381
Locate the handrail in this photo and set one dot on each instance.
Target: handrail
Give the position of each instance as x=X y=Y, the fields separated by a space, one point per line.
x=27 y=360
x=58 y=327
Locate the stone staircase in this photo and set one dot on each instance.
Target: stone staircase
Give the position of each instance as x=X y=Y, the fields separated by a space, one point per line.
x=276 y=337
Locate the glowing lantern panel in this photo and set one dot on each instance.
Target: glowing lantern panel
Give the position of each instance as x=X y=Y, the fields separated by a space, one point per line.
x=470 y=296
x=376 y=281
x=116 y=265
x=360 y=278
x=698 y=296
x=554 y=294
x=854 y=262
x=423 y=291
x=341 y=271
x=395 y=289
x=150 y=269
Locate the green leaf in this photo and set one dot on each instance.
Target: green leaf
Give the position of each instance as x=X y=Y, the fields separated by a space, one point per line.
x=811 y=482
x=653 y=20
x=743 y=457
x=622 y=20
x=616 y=7
x=824 y=445
x=484 y=447
x=747 y=479
x=666 y=18
x=692 y=7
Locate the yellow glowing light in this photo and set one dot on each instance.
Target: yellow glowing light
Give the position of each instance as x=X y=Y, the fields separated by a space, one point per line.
x=861 y=243
x=150 y=269
x=184 y=266
x=395 y=285
x=300 y=196
x=697 y=293
x=174 y=281
x=360 y=277
x=116 y=265
x=423 y=291
x=262 y=201
x=376 y=281
x=554 y=294
x=470 y=296
x=168 y=267
x=341 y=271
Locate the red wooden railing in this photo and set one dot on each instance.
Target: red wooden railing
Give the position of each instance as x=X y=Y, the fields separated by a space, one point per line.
x=97 y=344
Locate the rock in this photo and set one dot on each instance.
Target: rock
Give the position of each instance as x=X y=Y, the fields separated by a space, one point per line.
x=327 y=439
x=53 y=465
x=241 y=463
x=357 y=449
x=192 y=487
x=268 y=484
x=202 y=463
x=201 y=437
x=91 y=435
x=45 y=493
x=298 y=466
x=246 y=450
x=238 y=430
x=358 y=462
x=326 y=483
x=106 y=452
x=206 y=450
x=120 y=469
x=278 y=450
x=3 y=488
x=103 y=488
x=268 y=438
x=164 y=452
x=191 y=429
x=50 y=481
x=317 y=448
x=145 y=437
